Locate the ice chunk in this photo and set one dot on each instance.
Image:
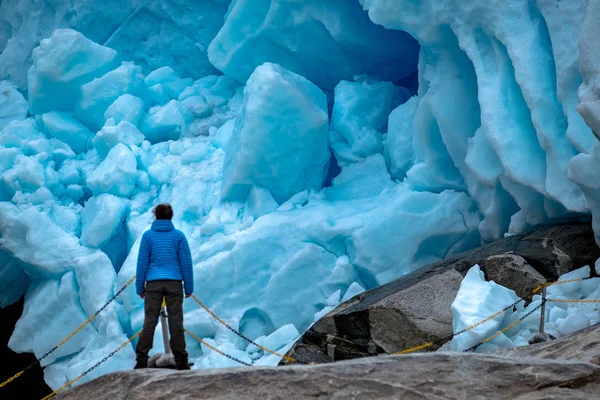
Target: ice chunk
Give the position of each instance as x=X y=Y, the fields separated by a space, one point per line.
x=397 y=145
x=101 y=218
x=475 y=301
x=43 y=300
x=573 y=323
x=116 y=175
x=27 y=174
x=165 y=123
x=360 y=111
x=67 y=129
x=260 y=202
x=285 y=155
x=197 y=107
x=343 y=42
x=161 y=75
x=352 y=291
x=362 y=179
x=158 y=94
x=33 y=237
x=98 y=95
x=111 y=135
x=61 y=65
x=281 y=337
x=126 y=108
x=13 y=279
x=160 y=173
x=589 y=99
x=13 y=105
x=322 y=313
x=334 y=299
x=195 y=153
x=569 y=289
x=556 y=314
x=583 y=171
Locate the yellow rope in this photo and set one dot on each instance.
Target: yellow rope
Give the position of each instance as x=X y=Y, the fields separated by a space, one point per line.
x=495 y=335
x=573 y=301
x=12 y=378
x=417 y=348
x=537 y=289
x=215 y=316
x=213 y=348
x=90 y=319
x=63 y=387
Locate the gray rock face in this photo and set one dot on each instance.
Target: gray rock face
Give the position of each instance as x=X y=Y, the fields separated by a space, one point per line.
x=514 y=269
x=415 y=309
x=560 y=371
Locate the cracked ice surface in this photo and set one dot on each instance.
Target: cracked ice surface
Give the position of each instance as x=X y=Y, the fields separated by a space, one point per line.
x=298 y=187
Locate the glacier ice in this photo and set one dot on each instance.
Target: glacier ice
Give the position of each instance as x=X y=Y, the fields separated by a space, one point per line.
x=54 y=82
x=13 y=105
x=303 y=176
x=98 y=95
x=64 y=127
x=153 y=34
x=468 y=53
x=101 y=218
x=126 y=108
x=360 y=111
x=476 y=300
x=117 y=174
x=589 y=100
x=111 y=135
x=324 y=42
x=300 y=139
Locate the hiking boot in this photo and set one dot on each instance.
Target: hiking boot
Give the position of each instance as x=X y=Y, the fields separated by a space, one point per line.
x=141 y=365
x=182 y=366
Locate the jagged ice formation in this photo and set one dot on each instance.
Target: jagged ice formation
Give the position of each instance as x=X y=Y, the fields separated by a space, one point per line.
x=311 y=169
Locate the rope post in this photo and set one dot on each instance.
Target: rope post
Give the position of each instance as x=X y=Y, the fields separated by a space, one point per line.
x=165 y=327
x=543 y=312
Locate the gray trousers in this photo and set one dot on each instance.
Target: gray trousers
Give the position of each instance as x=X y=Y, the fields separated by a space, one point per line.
x=172 y=291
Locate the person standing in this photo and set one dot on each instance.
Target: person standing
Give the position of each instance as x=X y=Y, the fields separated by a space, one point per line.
x=163 y=263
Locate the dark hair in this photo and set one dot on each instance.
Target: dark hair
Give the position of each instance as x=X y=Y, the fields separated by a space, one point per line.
x=163 y=211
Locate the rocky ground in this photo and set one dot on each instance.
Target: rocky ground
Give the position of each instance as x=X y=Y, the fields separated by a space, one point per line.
x=568 y=368
x=415 y=309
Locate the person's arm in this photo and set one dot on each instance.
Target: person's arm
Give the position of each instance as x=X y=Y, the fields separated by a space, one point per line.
x=186 y=265
x=142 y=266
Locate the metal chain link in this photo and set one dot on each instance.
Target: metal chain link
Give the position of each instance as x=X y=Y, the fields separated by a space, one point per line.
x=495 y=335
x=76 y=331
x=60 y=389
x=213 y=348
x=241 y=335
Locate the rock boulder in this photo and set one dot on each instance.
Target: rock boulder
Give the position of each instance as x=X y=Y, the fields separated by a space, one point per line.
x=565 y=369
x=415 y=309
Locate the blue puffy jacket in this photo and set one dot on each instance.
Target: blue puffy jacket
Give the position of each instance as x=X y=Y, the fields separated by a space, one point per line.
x=164 y=255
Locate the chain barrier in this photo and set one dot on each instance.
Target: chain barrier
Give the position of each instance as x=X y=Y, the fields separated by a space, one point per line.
x=75 y=332
x=449 y=337
x=213 y=348
x=241 y=335
x=534 y=291
x=495 y=335
x=574 y=301
x=548 y=284
x=72 y=381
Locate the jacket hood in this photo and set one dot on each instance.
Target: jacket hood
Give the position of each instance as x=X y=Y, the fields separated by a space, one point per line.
x=162 y=225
